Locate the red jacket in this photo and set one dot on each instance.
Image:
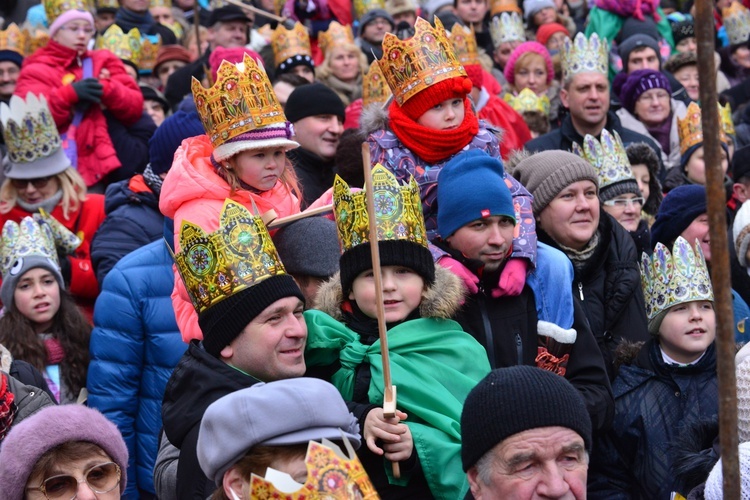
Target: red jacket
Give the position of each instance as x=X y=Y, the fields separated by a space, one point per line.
x=515 y=131
x=51 y=70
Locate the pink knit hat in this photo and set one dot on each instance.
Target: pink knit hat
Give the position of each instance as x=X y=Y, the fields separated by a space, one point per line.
x=510 y=66
x=70 y=15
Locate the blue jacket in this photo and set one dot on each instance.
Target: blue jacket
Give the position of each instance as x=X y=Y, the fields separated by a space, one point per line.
x=134 y=348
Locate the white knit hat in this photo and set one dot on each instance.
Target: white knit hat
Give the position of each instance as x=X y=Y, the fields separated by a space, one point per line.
x=742 y=362
x=741 y=232
x=713 y=489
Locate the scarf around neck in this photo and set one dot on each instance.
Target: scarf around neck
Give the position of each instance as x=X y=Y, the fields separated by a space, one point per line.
x=351 y=91
x=127 y=20
x=49 y=204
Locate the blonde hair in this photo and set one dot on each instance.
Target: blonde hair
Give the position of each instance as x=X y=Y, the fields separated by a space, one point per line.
x=324 y=70
x=71 y=183
x=288 y=178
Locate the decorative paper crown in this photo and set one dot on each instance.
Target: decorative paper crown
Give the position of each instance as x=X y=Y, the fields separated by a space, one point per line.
x=241 y=100
x=363 y=6
x=161 y=3
x=398 y=211
x=412 y=65
x=238 y=255
x=673 y=278
x=40 y=38
x=65 y=240
x=725 y=115
x=23 y=239
x=582 y=55
x=374 y=87
x=149 y=49
x=737 y=21
x=28 y=129
x=507 y=27
x=527 y=100
x=464 y=45
x=109 y=4
x=53 y=8
x=335 y=35
x=126 y=46
x=330 y=474
x=690 y=128
x=499 y=6
x=289 y=43
x=12 y=38
x=608 y=157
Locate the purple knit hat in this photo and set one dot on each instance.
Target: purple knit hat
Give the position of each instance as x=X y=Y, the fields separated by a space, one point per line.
x=536 y=47
x=639 y=82
x=33 y=437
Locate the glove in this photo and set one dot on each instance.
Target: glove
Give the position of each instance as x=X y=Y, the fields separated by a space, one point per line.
x=470 y=280
x=512 y=279
x=88 y=89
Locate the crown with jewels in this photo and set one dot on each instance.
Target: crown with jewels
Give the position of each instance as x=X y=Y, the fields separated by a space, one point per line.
x=398 y=211
x=242 y=99
x=12 y=38
x=53 y=8
x=288 y=44
x=161 y=3
x=374 y=87
x=335 y=35
x=38 y=39
x=507 y=27
x=690 y=128
x=527 y=100
x=671 y=278
x=464 y=45
x=238 y=255
x=608 y=157
x=736 y=18
x=107 y=4
x=29 y=130
x=126 y=46
x=412 y=65
x=149 y=50
x=725 y=116
x=361 y=7
x=582 y=55
x=330 y=474
x=19 y=240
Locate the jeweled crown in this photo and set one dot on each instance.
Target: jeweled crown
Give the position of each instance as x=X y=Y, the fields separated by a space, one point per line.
x=736 y=18
x=725 y=115
x=690 y=128
x=28 y=129
x=584 y=55
x=126 y=46
x=12 y=38
x=53 y=8
x=361 y=7
x=412 y=65
x=35 y=40
x=608 y=157
x=398 y=211
x=527 y=100
x=464 y=45
x=23 y=239
x=507 y=27
x=287 y=43
x=242 y=99
x=149 y=50
x=335 y=35
x=671 y=278
x=217 y=265
x=374 y=87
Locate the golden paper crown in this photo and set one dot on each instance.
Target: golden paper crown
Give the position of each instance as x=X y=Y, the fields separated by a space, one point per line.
x=690 y=128
x=150 y=45
x=65 y=240
x=23 y=239
x=498 y=6
x=582 y=55
x=334 y=36
x=288 y=44
x=725 y=115
x=398 y=211
x=38 y=39
x=507 y=27
x=126 y=46
x=374 y=87
x=331 y=474
x=671 y=278
x=464 y=45
x=161 y=3
x=107 y=4
x=736 y=18
x=238 y=255
x=242 y=99
x=12 y=38
x=412 y=65
x=53 y=8
x=527 y=100
x=608 y=157
x=28 y=129
x=361 y=7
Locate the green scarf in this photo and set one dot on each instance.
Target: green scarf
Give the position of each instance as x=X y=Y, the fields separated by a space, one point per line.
x=434 y=365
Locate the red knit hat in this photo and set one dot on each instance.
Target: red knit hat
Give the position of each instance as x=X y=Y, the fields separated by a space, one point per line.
x=547 y=30
x=476 y=74
x=433 y=95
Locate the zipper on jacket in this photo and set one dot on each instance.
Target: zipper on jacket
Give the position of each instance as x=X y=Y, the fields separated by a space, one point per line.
x=580 y=289
x=519 y=349
x=487 y=330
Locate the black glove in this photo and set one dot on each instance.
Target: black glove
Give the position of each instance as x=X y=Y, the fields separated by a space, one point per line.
x=89 y=90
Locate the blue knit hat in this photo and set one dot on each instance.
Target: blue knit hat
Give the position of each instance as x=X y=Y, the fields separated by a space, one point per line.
x=677 y=211
x=169 y=136
x=471 y=186
x=12 y=56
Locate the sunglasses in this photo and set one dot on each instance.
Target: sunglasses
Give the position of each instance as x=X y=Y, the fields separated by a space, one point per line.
x=101 y=478
x=38 y=183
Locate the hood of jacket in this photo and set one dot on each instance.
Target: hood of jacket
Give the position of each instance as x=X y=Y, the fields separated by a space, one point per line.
x=56 y=54
x=122 y=193
x=373 y=118
x=441 y=300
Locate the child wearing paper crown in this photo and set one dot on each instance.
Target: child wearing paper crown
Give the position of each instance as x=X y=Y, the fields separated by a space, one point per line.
x=419 y=299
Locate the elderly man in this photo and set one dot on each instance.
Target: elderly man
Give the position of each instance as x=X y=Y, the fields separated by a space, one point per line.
x=526 y=434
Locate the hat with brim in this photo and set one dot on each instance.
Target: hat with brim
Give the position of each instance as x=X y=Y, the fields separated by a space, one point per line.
x=56 y=163
x=226 y=14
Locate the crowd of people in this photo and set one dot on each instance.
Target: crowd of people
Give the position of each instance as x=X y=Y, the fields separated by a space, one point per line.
x=191 y=192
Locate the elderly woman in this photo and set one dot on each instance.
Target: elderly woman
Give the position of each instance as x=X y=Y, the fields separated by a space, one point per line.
x=530 y=67
x=342 y=70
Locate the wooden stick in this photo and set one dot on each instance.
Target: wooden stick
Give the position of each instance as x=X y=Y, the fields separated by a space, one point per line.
x=389 y=400
x=275 y=223
x=256 y=10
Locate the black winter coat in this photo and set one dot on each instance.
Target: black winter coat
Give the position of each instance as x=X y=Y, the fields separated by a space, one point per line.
x=315 y=175
x=131 y=145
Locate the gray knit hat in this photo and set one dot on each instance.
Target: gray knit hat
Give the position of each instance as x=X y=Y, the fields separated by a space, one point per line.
x=309 y=246
x=547 y=173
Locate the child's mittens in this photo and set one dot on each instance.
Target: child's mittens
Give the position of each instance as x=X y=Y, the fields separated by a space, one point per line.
x=512 y=278
x=470 y=280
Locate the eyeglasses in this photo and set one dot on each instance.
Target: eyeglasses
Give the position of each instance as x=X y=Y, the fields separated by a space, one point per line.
x=38 y=183
x=101 y=478
x=624 y=202
x=86 y=30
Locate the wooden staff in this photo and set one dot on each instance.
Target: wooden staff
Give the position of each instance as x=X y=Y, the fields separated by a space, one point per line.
x=256 y=10
x=389 y=399
x=720 y=273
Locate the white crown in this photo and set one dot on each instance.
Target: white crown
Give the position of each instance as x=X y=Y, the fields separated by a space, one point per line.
x=507 y=27
x=582 y=55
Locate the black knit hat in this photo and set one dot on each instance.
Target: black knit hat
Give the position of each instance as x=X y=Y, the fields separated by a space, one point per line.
x=224 y=321
x=682 y=30
x=517 y=399
x=313 y=100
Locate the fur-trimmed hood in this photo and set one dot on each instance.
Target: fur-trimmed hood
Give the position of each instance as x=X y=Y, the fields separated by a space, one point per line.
x=374 y=118
x=441 y=300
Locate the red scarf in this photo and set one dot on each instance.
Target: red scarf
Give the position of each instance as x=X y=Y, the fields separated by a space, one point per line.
x=7 y=409
x=429 y=144
x=55 y=351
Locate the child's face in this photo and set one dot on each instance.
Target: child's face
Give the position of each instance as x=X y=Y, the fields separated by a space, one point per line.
x=37 y=296
x=446 y=115
x=260 y=168
x=687 y=330
x=402 y=292
x=695 y=168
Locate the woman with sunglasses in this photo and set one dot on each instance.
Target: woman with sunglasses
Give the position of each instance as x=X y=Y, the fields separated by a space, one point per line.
x=64 y=452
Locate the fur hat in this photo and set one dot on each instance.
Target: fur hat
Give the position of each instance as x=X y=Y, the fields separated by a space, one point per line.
x=640 y=153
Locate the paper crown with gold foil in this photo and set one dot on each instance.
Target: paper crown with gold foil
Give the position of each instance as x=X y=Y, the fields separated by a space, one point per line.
x=161 y=3
x=690 y=128
x=239 y=254
x=39 y=38
x=608 y=157
x=499 y=6
x=107 y=4
x=149 y=50
x=65 y=240
x=242 y=99
x=671 y=278
x=507 y=27
x=331 y=474
x=412 y=65
x=53 y=8
x=527 y=100
x=288 y=44
x=374 y=87
x=25 y=238
x=725 y=116
x=125 y=46
x=584 y=55
x=464 y=45
x=12 y=38
x=334 y=36
x=736 y=18
x=361 y=7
